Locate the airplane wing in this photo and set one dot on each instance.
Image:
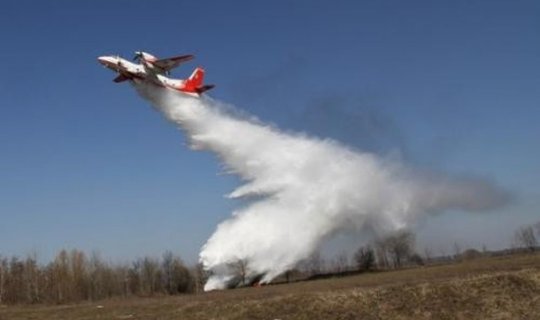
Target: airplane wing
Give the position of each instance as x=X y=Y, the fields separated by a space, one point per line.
x=120 y=78
x=171 y=63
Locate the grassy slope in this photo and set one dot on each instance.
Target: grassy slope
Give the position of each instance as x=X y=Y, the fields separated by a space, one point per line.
x=490 y=288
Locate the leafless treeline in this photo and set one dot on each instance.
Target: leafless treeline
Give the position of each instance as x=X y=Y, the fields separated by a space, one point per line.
x=394 y=251
x=73 y=276
x=398 y=250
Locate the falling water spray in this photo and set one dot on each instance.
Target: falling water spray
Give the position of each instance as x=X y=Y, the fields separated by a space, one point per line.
x=303 y=190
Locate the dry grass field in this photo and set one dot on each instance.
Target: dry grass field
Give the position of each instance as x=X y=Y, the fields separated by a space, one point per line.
x=486 y=288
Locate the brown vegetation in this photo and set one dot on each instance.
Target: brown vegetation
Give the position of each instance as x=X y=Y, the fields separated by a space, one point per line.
x=73 y=277
x=505 y=287
x=387 y=279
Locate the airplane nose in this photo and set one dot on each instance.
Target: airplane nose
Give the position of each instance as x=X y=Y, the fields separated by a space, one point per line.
x=107 y=61
x=102 y=60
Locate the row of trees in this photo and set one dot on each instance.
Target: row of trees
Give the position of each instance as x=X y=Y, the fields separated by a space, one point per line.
x=398 y=250
x=393 y=251
x=72 y=276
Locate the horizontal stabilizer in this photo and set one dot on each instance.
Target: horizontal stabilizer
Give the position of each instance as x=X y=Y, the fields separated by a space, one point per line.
x=120 y=78
x=204 y=88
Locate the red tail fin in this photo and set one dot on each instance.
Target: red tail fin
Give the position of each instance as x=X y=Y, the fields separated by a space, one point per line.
x=197 y=77
x=195 y=82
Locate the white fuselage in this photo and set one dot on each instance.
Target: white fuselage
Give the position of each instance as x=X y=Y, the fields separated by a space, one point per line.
x=140 y=72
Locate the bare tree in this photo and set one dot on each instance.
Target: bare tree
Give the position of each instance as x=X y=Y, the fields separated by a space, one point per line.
x=96 y=269
x=134 y=277
x=3 y=277
x=15 y=283
x=61 y=277
x=381 y=254
x=241 y=267
x=400 y=247
x=150 y=275
x=176 y=277
x=31 y=279
x=365 y=258
x=167 y=265
x=525 y=238
x=200 y=276
x=79 y=270
x=183 y=280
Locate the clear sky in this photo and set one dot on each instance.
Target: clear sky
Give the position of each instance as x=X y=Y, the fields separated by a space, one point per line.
x=84 y=163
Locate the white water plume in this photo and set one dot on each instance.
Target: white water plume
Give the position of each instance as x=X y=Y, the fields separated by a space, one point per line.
x=303 y=189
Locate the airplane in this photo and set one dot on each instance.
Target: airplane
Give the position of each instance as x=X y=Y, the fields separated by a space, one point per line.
x=155 y=71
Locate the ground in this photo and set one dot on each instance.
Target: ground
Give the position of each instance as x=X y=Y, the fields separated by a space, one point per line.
x=486 y=288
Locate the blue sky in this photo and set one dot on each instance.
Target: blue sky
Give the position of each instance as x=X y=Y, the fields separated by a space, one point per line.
x=85 y=163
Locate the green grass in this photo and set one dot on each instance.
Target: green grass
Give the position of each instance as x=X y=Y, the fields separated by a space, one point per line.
x=487 y=288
